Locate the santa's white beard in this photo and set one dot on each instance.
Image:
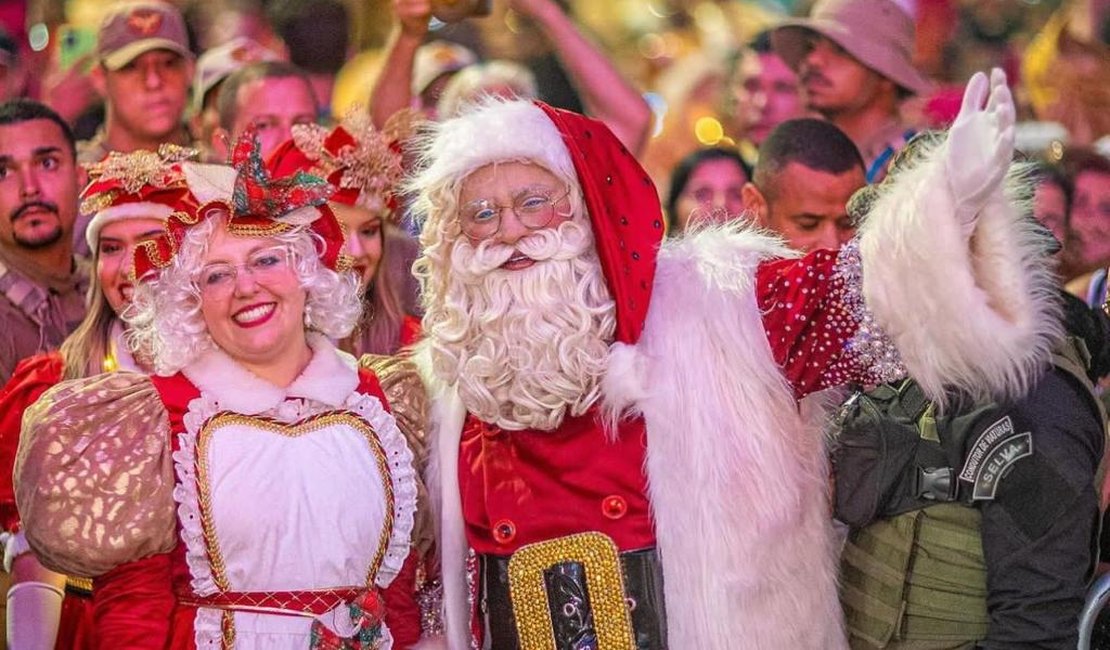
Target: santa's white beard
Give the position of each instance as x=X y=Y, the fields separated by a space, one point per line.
x=526 y=347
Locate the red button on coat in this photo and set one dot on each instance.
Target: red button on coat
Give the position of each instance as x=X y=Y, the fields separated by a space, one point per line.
x=504 y=531
x=614 y=506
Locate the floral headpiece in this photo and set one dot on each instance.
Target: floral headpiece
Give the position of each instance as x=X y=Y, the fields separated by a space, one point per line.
x=256 y=204
x=362 y=163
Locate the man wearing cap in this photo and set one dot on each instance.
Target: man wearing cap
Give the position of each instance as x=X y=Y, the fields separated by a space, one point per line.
x=143 y=74
x=615 y=439
x=854 y=60
x=213 y=68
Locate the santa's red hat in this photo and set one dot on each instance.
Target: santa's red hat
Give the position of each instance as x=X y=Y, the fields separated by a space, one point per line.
x=621 y=200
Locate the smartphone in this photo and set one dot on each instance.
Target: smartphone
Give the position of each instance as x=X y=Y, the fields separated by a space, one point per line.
x=73 y=44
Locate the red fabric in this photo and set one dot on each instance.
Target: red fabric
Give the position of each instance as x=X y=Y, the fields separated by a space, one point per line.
x=625 y=213
x=133 y=605
x=76 y=624
x=411 y=330
x=551 y=484
x=807 y=321
x=30 y=379
x=402 y=612
x=313 y=602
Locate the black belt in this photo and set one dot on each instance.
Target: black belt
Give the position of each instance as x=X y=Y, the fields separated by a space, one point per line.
x=568 y=602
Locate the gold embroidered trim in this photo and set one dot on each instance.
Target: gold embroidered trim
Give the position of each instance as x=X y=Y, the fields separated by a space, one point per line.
x=304 y=427
x=598 y=555
x=227 y=629
x=84 y=585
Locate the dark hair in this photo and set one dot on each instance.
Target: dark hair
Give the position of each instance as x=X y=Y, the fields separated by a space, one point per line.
x=1079 y=160
x=316 y=31
x=16 y=111
x=761 y=43
x=228 y=103
x=682 y=172
x=812 y=143
x=1043 y=172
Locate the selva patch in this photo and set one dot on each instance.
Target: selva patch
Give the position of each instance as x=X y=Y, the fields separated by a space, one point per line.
x=994 y=452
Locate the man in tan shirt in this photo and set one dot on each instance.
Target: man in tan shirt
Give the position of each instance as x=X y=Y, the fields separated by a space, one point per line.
x=42 y=285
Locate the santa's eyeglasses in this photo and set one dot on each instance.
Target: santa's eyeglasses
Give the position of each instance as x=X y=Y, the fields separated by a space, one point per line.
x=534 y=209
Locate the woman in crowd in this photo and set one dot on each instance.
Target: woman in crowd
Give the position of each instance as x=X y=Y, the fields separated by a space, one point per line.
x=363 y=165
x=129 y=206
x=255 y=490
x=706 y=185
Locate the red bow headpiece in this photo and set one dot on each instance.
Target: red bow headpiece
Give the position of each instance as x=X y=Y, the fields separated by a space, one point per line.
x=255 y=204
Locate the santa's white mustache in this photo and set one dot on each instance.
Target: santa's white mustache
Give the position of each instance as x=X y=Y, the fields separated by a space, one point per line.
x=566 y=241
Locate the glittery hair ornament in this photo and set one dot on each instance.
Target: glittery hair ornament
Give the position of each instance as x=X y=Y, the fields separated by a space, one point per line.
x=137 y=185
x=362 y=163
x=255 y=204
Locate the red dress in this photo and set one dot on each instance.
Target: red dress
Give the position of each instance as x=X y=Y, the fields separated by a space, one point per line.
x=278 y=504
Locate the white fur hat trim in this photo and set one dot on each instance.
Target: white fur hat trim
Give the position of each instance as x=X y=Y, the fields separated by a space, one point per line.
x=125 y=211
x=496 y=130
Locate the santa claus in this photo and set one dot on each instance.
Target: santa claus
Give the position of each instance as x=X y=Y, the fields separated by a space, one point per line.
x=617 y=454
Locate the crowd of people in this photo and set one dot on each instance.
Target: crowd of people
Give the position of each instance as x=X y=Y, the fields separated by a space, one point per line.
x=797 y=344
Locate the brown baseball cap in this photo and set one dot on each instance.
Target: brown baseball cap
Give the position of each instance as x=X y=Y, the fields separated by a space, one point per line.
x=133 y=28
x=878 y=33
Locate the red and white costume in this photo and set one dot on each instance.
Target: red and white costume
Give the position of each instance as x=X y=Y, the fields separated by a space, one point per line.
x=718 y=334
x=259 y=478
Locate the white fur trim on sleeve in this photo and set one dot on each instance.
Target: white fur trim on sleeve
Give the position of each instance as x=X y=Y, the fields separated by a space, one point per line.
x=980 y=316
x=737 y=481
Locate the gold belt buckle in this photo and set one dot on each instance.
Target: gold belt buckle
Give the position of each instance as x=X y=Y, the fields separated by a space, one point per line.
x=598 y=555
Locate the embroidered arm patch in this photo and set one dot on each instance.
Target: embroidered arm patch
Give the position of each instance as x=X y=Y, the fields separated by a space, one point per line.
x=994 y=452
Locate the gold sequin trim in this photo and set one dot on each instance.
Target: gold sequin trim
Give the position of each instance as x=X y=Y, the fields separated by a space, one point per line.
x=83 y=585
x=304 y=427
x=599 y=557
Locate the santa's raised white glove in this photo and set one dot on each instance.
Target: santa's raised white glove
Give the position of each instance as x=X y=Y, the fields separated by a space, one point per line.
x=980 y=144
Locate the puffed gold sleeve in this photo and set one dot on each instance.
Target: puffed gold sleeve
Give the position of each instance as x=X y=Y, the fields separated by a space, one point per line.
x=94 y=474
x=408 y=400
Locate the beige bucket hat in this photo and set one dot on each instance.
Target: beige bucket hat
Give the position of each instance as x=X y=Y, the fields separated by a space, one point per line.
x=878 y=33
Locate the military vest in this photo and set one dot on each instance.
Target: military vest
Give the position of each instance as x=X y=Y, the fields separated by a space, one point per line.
x=913 y=573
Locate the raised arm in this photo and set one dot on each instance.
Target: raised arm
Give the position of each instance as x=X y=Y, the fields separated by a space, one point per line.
x=607 y=95
x=948 y=280
x=393 y=89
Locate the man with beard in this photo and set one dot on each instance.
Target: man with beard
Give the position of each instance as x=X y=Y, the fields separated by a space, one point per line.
x=42 y=286
x=854 y=61
x=615 y=441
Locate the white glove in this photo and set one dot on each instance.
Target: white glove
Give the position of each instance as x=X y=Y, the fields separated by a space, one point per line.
x=980 y=144
x=34 y=609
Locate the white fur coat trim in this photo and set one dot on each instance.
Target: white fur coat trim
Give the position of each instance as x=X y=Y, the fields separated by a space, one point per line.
x=737 y=481
x=330 y=376
x=445 y=422
x=988 y=315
